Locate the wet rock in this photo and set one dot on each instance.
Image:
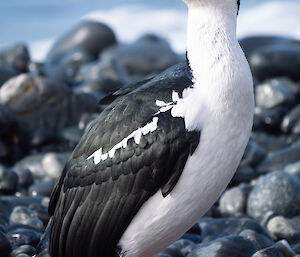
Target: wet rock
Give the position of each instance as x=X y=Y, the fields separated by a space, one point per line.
x=216 y=228
x=268 y=252
x=23 y=236
x=293 y=169
x=269 y=120
x=25 y=201
x=41 y=103
x=252 y=43
x=16 y=57
x=7 y=119
x=280 y=159
x=24 y=216
x=148 y=55
x=53 y=163
x=259 y=240
x=23 y=249
x=5 y=246
x=254 y=154
x=25 y=178
x=291 y=120
x=233 y=246
x=244 y=174
x=173 y=251
x=5 y=73
x=42 y=188
x=86 y=119
x=272 y=93
x=8 y=180
x=82 y=44
x=283 y=228
x=234 y=201
x=269 y=142
x=278 y=192
x=276 y=60
x=284 y=247
x=71 y=135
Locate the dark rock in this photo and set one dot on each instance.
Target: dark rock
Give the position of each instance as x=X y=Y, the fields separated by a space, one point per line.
x=7 y=119
x=259 y=240
x=36 y=68
x=24 y=216
x=26 y=201
x=283 y=228
x=43 y=246
x=53 y=163
x=268 y=142
x=71 y=134
x=272 y=93
x=216 y=228
x=25 y=178
x=8 y=180
x=42 y=137
x=182 y=243
x=196 y=229
x=193 y=237
x=276 y=60
x=41 y=103
x=284 y=247
x=291 y=120
x=5 y=207
x=42 y=188
x=280 y=159
x=23 y=236
x=173 y=251
x=16 y=57
x=25 y=249
x=234 y=201
x=5 y=246
x=296 y=248
x=268 y=252
x=278 y=192
x=4 y=220
x=254 y=154
x=148 y=55
x=244 y=174
x=5 y=73
x=104 y=69
x=269 y=119
x=80 y=45
x=23 y=255
x=293 y=169
x=233 y=246
x=252 y=43
x=92 y=37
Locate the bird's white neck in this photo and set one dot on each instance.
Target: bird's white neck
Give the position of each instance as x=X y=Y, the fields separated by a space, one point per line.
x=211 y=38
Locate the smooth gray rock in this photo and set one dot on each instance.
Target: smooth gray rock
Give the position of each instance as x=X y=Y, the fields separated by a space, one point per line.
x=244 y=174
x=42 y=188
x=252 y=43
x=216 y=228
x=16 y=57
x=22 y=236
x=233 y=246
x=7 y=119
x=148 y=55
x=269 y=142
x=284 y=247
x=283 y=228
x=271 y=94
x=234 y=201
x=280 y=159
x=259 y=240
x=24 y=216
x=25 y=178
x=23 y=249
x=41 y=103
x=293 y=169
x=173 y=251
x=5 y=246
x=276 y=60
x=254 y=154
x=278 y=192
x=268 y=252
x=291 y=120
x=8 y=180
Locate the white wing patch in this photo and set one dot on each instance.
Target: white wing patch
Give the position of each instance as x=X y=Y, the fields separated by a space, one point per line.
x=98 y=156
x=164 y=107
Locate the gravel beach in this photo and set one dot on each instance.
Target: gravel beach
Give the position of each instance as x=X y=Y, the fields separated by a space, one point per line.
x=46 y=107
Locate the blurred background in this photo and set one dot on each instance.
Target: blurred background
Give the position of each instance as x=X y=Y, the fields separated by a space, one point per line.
x=37 y=23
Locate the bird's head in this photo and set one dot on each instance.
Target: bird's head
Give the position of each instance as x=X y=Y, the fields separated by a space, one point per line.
x=226 y=4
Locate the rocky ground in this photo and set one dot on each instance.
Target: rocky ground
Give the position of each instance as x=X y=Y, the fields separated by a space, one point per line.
x=45 y=107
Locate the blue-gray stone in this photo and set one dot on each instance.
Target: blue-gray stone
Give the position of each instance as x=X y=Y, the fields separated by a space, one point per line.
x=5 y=246
x=277 y=192
x=26 y=249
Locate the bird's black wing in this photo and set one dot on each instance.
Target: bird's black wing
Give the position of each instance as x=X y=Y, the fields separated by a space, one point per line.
x=93 y=204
